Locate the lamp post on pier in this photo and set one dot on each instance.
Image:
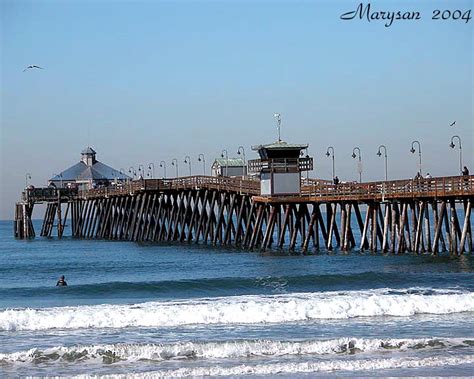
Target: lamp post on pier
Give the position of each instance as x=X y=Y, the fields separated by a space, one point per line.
x=27 y=177
x=141 y=170
x=132 y=171
x=241 y=150
x=330 y=153
x=123 y=176
x=412 y=150
x=163 y=164
x=379 y=153
x=227 y=160
x=452 y=146
x=174 y=162
x=359 y=164
x=278 y=119
x=203 y=160
x=187 y=159
x=151 y=166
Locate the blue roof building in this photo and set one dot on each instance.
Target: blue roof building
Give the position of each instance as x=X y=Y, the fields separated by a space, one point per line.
x=88 y=173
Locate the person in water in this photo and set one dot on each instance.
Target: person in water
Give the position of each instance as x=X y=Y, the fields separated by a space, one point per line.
x=61 y=281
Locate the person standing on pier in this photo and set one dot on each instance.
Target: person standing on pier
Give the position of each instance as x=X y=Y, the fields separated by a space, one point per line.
x=465 y=174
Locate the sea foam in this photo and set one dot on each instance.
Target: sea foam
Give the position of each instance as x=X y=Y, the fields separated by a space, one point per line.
x=236 y=349
x=252 y=309
x=302 y=367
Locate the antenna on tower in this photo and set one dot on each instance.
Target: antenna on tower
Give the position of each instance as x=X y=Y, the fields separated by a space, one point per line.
x=278 y=118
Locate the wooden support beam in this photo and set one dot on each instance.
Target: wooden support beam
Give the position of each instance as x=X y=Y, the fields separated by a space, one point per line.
x=401 y=230
x=311 y=229
x=219 y=217
x=439 y=226
x=157 y=230
x=296 y=227
x=419 y=227
x=194 y=214
x=187 y=210
x=173 y=214
x=324 y=232
x=386 y=227
x=270 y=227
x=228 y=227
x=45 y=218
x=414 y=225
x=239 y=229
x=343 y=225
x=427 y=229
x=364 y=244
x=123 y=213
x=385 y=230
x=466 y=236
x=331 y=224
x=107 y=219
x=248 y=224
x=363 y=241
x=348 y=237
x=202 y=216
x=135 y=216
x=100 y=205
x=88 y=221
x=374 y=230
x=394 y=221
x=286 y=220
x=454 y=240
x=468 y=203
x=454 y=214
x=145 y=219
x=210 y=214
x=258 y=223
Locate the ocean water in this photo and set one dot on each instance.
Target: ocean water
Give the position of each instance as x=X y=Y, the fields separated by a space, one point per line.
x=148 y=310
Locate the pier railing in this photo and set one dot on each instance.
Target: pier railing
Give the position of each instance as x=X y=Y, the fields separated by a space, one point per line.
x=248 y=185
x=411 y=188
x=47 y=194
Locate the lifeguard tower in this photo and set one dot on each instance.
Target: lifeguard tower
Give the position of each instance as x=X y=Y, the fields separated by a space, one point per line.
x=280 y=166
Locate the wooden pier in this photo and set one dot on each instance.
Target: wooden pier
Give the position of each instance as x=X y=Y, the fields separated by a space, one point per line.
x=420 y=216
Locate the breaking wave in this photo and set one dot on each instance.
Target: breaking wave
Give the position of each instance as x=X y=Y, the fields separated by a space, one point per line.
x=232 y=349
x=251 y=309
x=303 y=367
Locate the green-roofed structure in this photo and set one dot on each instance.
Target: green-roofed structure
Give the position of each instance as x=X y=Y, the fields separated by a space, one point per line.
x=232 y=167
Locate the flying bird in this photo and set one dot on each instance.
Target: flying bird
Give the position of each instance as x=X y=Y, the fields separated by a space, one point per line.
x=32 y=66
x=453 y=123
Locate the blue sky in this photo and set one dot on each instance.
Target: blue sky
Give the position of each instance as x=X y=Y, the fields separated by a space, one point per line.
x=145 y=81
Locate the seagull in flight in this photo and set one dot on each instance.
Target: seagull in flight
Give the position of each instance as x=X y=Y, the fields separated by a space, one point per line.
x=31 y=66
x=453 y=123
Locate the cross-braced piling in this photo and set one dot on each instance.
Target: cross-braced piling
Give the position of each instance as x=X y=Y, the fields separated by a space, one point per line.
x=420 y=216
